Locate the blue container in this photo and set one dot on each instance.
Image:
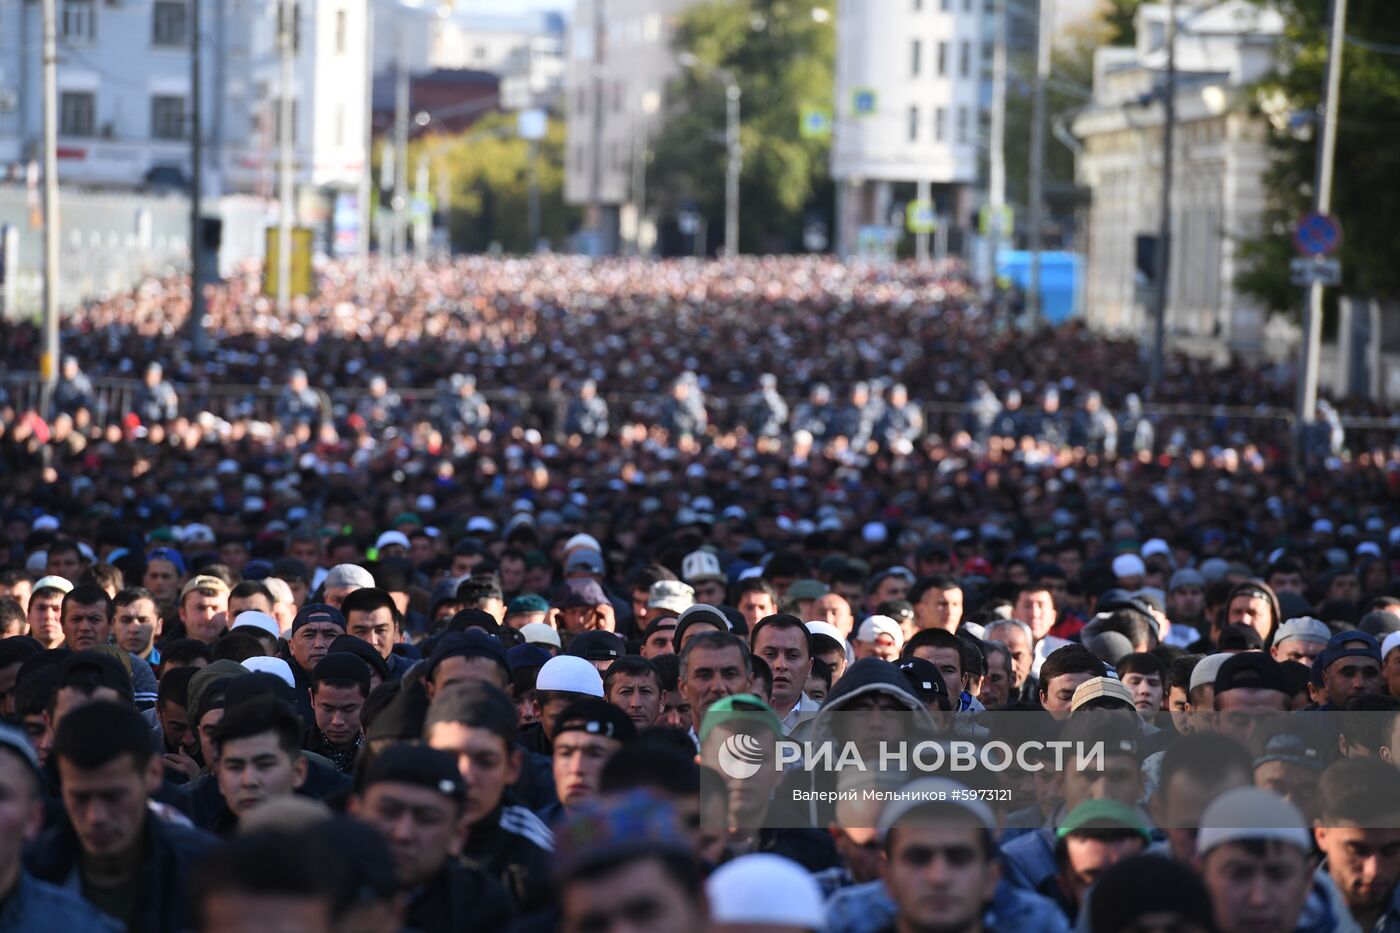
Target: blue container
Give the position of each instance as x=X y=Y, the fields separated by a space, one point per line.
x=1059 y=277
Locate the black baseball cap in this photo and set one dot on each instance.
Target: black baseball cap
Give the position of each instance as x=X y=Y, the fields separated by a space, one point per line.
x=926 y=680
x=597 y=646
x=473 y=643
x=417 y=765
x=596 y=717
x=1251 y=670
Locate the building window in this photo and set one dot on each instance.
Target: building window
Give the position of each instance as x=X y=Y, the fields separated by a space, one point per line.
x=77 y=113
x=940 y=124
x=913 y=124
x=167 y=117
x=340 y=27
x=916 y=54
x=170 y=23
x=965 y=58
x=479 y=53
x=942 y=59
x=78 y=20
x=962 y=124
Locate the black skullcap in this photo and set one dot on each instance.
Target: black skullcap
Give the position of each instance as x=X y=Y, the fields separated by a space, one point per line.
x=18 y=649
x=245 y=687
x=363 y=650
x=417 y=765
x=470 y=644
x=93 y=669
x=473 y=618
x=49 y=657
x=596 y=717
x=1240 y=638
x=290 y=570
x=478 y=705
x=341 y=665
x=597 y=646
x=1149 y=884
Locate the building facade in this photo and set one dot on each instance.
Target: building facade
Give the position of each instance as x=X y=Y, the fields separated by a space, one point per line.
x=1220 y=157
x=124 y=86
x=909 y=78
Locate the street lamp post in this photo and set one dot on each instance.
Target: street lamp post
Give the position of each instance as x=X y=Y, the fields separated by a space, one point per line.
x=732 y=96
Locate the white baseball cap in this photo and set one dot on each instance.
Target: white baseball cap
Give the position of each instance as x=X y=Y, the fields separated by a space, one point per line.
x=540 y=633
x=765 y=890
x=569 y=674
x=875 y=626
x=258 y=620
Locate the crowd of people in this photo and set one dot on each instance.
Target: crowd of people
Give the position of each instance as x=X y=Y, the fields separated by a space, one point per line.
x=462 y=662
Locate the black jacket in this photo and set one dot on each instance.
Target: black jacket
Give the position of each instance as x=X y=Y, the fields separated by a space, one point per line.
x=513 y=846
x=458 y=899
x=171 y=852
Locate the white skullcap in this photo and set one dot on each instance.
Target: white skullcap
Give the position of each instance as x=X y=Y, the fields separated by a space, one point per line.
x=765 y=890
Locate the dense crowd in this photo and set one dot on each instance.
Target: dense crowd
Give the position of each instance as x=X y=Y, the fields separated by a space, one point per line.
x=466 y=664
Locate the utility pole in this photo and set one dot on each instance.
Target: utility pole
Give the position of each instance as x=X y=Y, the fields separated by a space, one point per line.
x=996 y=174
x=366 y=187
x=198 y=338
x=1326 y=156
x=1035 y=304
x=734 y=166
x=534 y=208
x=48 y=359
x=286 y=136
x=595 y=183
x=1164 y=230
x=401 y=115
x=923 y=192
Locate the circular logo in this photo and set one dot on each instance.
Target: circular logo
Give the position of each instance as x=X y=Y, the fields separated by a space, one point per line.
x=741 y=756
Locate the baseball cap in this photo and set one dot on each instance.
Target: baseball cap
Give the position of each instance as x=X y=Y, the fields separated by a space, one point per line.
x=318 y=612
x=258 y=620
x=473 y=643
x=203 y=582
x=596 y=717
x=527 y=655
x=1250 y=813
x=1252 y=670
x=597 y=646
x=926 y=679
x=765 y=890
x=1100 y=687
x=1304 y=628
x=580 y=593
x=806 y=589
x=540 y=633
x=672 y=595
x=1291 y=748
x=417 y=765
x=349 y=576
x=584 y=561
x=701 y=565
x=1352 y=644
x=945 y=792
x=568 y=674
x=875 y=626
x=741 y=706
x=1106 y=813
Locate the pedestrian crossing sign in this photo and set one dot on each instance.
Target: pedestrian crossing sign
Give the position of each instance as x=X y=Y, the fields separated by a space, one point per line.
x=863 y=101
x=816 y=123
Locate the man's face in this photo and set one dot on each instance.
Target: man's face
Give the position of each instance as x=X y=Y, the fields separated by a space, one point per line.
x=136 y=626
x=675 y=711
x=234 y=554
x=755 y=606
x=787 y=653
x=1187 y=603
x=1177 y=701
x=175 y=726
x=1146 y=690
x=996 y=686
x=19 y=591
x=949 y=664
x=205 y=736
x=376 y=627
x=1286 y=581
x=8 y=675
x=1295 y=783
x=888 y=590
x=1302 y=650
x=162 y=579
x=21 y=809
x=1364 y=863
x=834 y=609
x=337 y=712
x=335 y=597
x=205 y=616
x=488 y=764
x=579 y=758
x=1177 y=806
x=107 y=805
x=464 y=564
x=1254 y=611
x=1253 y=892
x=1345 y=587
x=65 y=564
x=306 y=551
x=939 y=609
x=710 y=592
x=512 y=574
x=85 y=626
x=638 y=697
x=1119 y=778
x=659 y=642
x=423 y=828
x=1392 y=673
x=1348 y=678
x=310 y=643
x=253 y=602
x=257 y=769
x=1239 y=710
x=1021 y=650
x=1088 y=858
x=883 y=647
x=712 y=674
x=44 y=615
x=638 y=896
x=458 y=670
x=1036 y=608
x=940 y=877
x=1058 y=693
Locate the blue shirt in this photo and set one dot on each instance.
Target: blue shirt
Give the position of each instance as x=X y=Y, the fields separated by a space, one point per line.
x=37 y=905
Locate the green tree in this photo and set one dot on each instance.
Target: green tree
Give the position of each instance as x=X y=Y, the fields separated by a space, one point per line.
x=1365 y=196
x=1118 y=16
x=783 y=58
x=488 y=172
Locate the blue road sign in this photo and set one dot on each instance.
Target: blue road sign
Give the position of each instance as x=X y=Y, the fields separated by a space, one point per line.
x=1317 y=235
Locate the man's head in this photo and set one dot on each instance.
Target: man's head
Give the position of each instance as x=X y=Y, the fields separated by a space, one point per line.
x=713 y=665
x=1351 y=667
x=249 y=595
x=1092 y=838
x=108 y=771
x=1248 y=685
x=257 y=745
x=585 y=736
x=1062 y=673
x=1358 y=830
x=415 y=797
x=1252 y=851
x=1020 y=645
x=21 y=799
x=472 y=655
x=344 y=579
x=1145 y=677
x=204 y=608
x=755 y=599
x=136 y=622
x=371 y=616
x=785 y=644
x=87 y=617
x=938 y=603
x=1301 y=640
x=943 y=650
x=940 y=864
x=339 y=688
x=45 y=611
x=165 y=568
x=1196 y=769
x=634 y=686
x=1253 y=604
x=880 y=637
x=562 y=681
x=1035 y=606
x=316 y=625
x=476 y=724
x=268 y=880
